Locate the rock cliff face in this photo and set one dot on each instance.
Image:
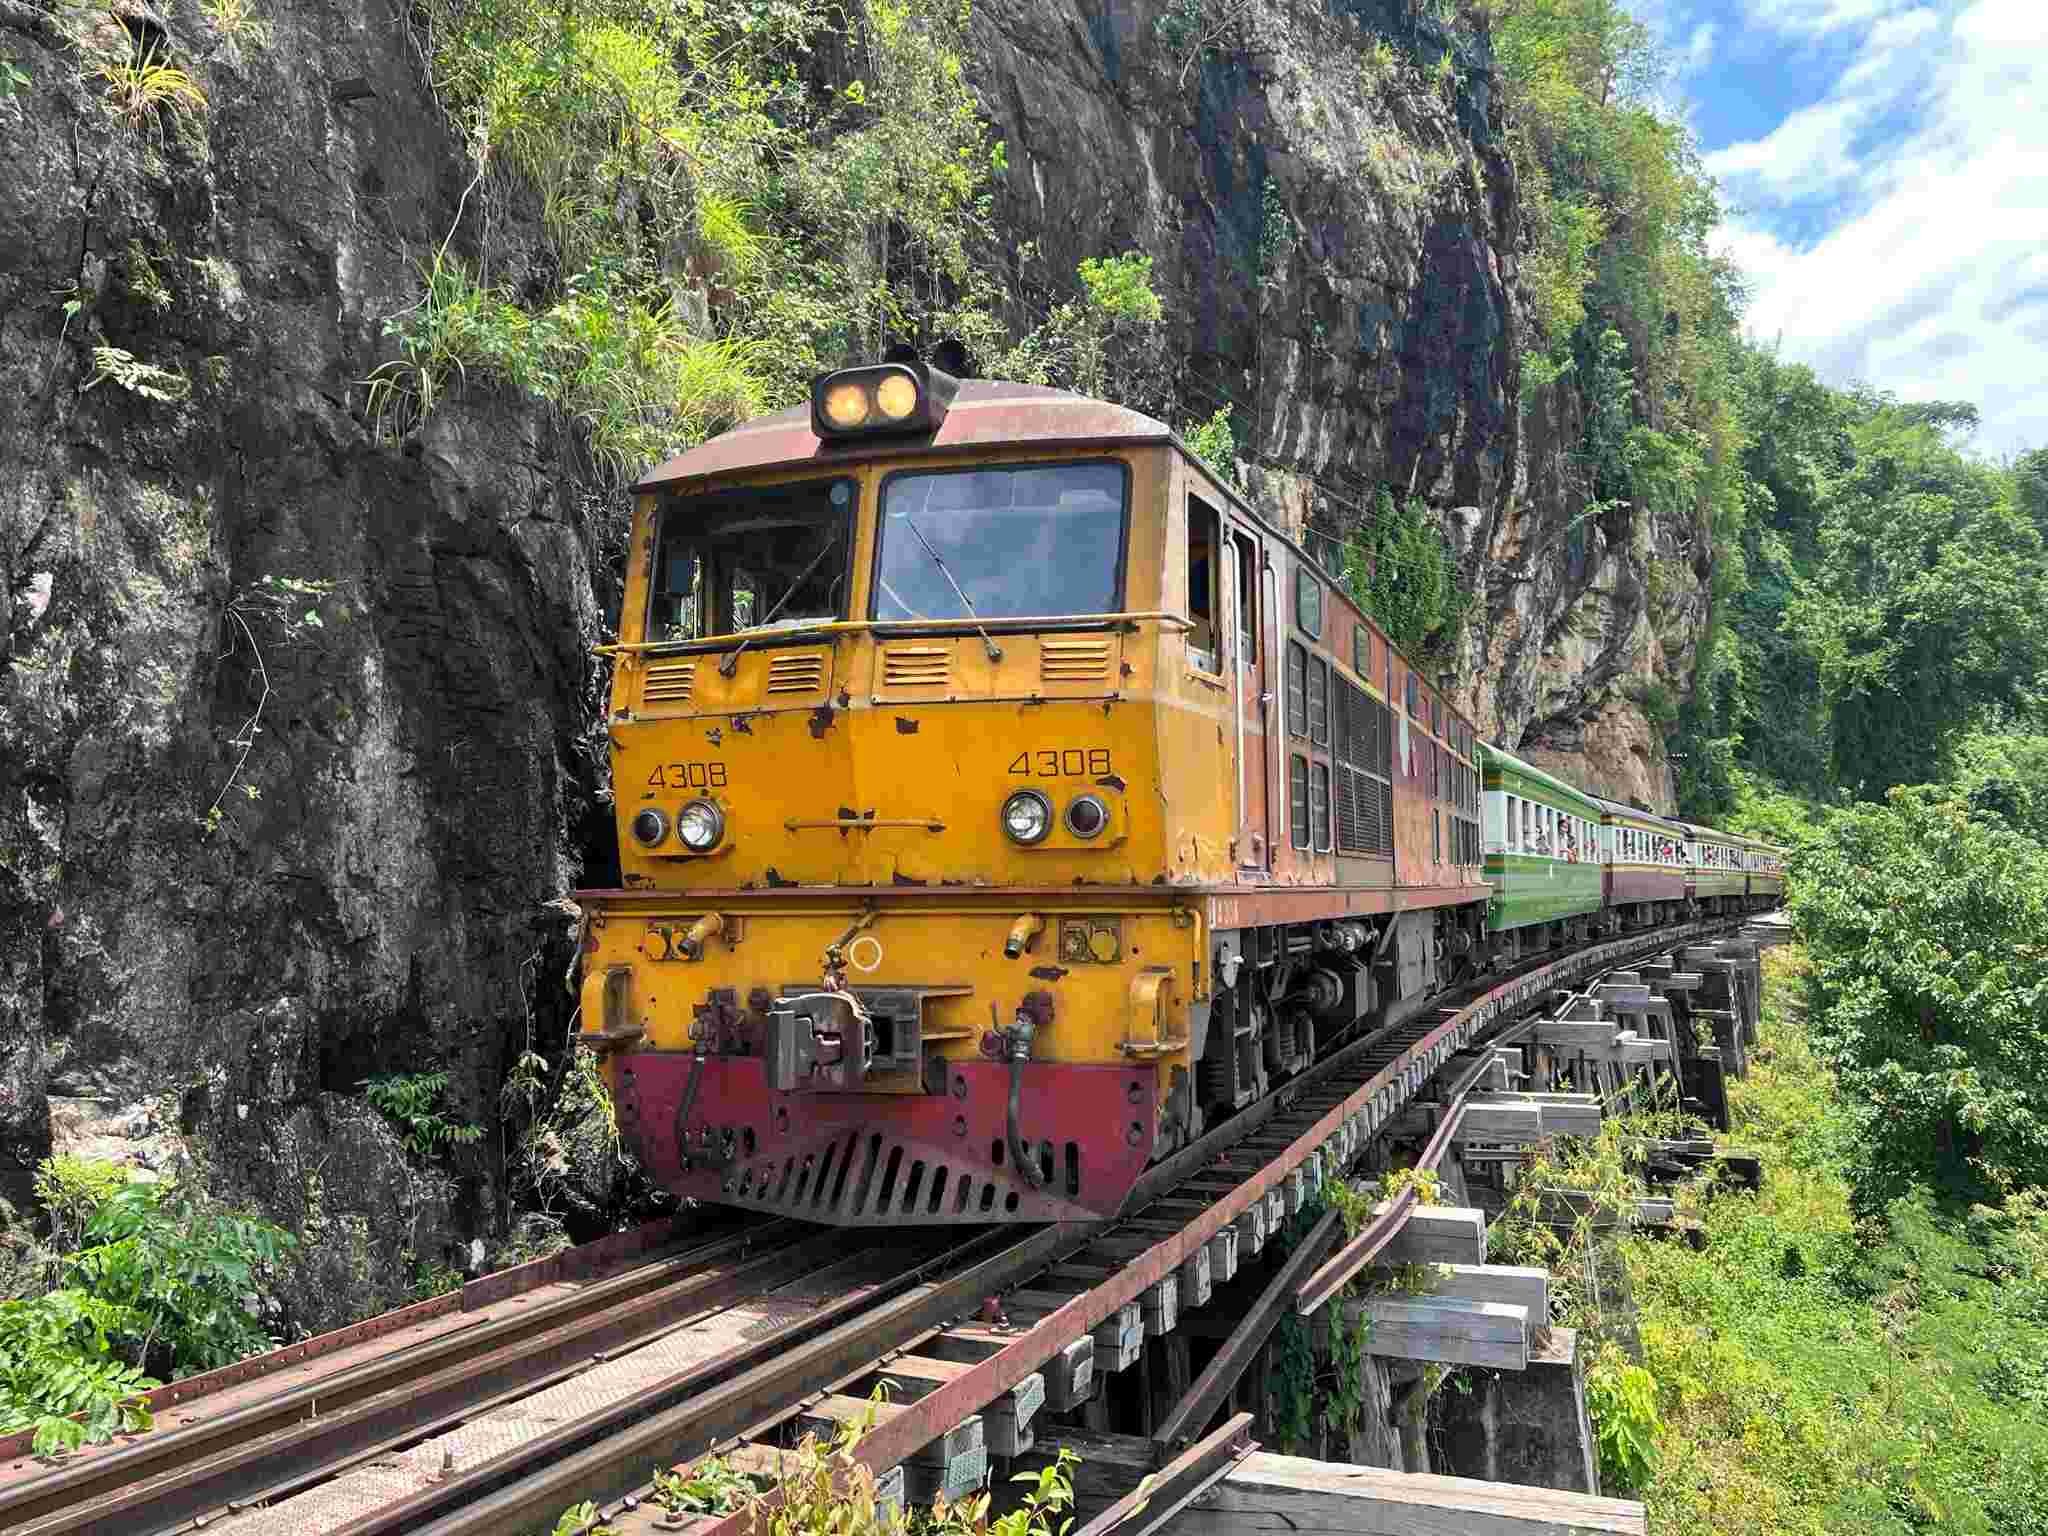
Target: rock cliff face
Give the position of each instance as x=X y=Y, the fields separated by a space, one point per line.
x=401 y=786
x=1332 y=214
x=248 y=859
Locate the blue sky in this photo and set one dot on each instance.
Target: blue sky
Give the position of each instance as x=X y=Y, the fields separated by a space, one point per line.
x=1885 y=164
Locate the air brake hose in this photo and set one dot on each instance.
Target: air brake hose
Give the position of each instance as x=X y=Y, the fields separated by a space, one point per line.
x=1019 y=1042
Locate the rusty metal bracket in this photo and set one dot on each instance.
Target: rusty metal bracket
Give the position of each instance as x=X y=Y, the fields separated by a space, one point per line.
x=1214 y=1384
x=1148 y=1508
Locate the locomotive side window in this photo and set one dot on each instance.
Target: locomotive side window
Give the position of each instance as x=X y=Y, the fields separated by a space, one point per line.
x=1319 y=805
x=1297 y=690
x=1247 y=603
x=1204 y=547
x=1036 y=541
x=776 y=557
x=1319 y=702
x=1297 y=799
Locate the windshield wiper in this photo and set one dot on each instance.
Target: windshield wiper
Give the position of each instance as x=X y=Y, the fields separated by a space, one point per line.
x=995 y=652
x=732 y=660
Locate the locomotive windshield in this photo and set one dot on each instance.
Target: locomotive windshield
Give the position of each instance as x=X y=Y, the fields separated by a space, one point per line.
x=775 y=558
x=1043 y=541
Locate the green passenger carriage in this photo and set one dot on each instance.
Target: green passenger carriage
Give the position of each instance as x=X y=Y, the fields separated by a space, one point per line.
x=1542 y=854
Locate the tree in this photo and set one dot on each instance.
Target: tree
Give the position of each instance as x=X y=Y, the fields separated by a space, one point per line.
x=1925 y=609
x=1928 y=929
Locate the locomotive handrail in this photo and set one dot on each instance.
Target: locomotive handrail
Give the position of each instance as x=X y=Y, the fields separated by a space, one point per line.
x=895 y=626
x=863 y=823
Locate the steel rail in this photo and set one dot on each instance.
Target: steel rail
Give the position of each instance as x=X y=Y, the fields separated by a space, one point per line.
x=681 y=1419
x=1343 y=1265
x=229 y=1458
x=1146 y=1509
x=1194 y=1410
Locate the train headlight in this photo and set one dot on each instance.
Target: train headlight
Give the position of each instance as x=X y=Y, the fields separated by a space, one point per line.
x=891 y=397
x=1087 y=816
x=896 y=395
x=845 y=405
x=699 y=826
x=649 y=827
x=1027 y=817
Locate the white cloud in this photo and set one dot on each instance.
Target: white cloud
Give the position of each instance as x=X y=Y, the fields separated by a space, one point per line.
x=1816 y=18
x=1927 y=169
x=1699 y=48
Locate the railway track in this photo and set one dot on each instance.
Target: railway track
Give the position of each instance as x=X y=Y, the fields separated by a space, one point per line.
x=498 y=1423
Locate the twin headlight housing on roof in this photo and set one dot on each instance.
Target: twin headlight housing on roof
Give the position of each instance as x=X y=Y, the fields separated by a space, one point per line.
x=1027 y=817
x=699 y=826
x=889 y=397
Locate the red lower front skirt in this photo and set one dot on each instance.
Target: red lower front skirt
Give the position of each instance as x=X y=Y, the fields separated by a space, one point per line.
x=879 y=1159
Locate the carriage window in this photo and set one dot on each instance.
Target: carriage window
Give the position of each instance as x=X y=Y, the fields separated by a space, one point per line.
x=1204 y=548
x=1514 y=827
x=1297 y=690
x=776 y=557
x=1044 y=541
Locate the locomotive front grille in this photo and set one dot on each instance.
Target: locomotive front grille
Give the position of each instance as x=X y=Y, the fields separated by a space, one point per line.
x=668 y=682
x=1073 y=661
x=916 y=666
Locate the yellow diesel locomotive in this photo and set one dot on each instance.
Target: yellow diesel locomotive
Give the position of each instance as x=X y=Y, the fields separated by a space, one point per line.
x=1001 y=800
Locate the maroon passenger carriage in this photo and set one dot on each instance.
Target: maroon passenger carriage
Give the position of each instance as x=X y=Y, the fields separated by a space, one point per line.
x=1645 y=861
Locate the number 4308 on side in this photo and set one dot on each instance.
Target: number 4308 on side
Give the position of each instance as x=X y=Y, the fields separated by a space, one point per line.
x=1061 y=763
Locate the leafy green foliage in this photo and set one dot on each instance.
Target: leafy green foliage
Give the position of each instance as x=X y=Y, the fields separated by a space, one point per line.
x=776 y=225
x=1400 y=570
x=57 y=1360
x=1886 y=607
x=143 y=87
x=166 y=1281
x=1621 y=1398
x=581 y=1520
x=826 y=1491
x=412 y=1101
x=71 y=1190
x=1928 y=602
x=186 y=1266
x=612 y=360
x=136 y=376
x=1109 y=343
x=1820 y=1374
x=711 y=1487
x=1214 y=442
x=1928 y=930
x=1121 y=287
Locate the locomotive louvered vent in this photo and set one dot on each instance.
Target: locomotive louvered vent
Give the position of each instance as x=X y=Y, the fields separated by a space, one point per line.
x=1363 y=789
x=916 y=666
x=668 y=682
x=796 y=674
x=871 y=1178
x=1066 y=660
